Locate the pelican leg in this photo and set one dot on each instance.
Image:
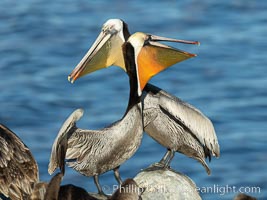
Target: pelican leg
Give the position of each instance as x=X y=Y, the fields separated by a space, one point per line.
x=171 y=155
x=99 y=188
x=162 y=162
x=117 y=175
x=165 y=157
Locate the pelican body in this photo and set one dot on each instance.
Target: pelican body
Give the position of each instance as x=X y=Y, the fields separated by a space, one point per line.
x=166 y=115
x=19 y=175
x=171 y=122
x=94 y=152
x=18 y=168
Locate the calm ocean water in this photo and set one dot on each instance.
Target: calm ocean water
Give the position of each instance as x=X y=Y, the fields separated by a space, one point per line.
x=42 y=41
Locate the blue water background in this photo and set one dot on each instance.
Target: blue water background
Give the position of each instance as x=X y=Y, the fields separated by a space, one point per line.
x=42 y=41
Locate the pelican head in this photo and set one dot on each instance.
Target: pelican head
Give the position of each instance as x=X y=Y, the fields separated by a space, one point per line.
x=153 y=57
x=107 y=49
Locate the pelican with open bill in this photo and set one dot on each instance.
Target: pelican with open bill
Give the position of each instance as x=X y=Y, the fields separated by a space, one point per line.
x=171 y=122
x=94 y=152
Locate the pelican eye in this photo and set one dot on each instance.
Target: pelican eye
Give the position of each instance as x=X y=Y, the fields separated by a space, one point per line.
x=112 y=30
x=109 y=29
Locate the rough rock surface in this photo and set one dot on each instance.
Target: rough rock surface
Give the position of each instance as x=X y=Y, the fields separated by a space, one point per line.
x=166 y=184
x=156 y=183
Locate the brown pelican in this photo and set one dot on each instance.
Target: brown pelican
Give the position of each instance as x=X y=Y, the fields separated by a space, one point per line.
x=72 y=192
x=19 y=175
x=171 y=122
x=94 y=152
x=18 y=168
x=66 y=192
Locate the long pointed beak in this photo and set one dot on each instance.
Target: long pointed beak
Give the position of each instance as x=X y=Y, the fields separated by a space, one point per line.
x=94 y=59
x=159 y=38
x=155 y=57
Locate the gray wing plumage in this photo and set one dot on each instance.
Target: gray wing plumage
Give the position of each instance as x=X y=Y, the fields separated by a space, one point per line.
x=83 y=143
x=94 y=152
x=189 y=117
x=57 y=157
x=18 y=168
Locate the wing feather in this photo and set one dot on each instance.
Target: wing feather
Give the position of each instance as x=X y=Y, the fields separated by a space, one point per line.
x=18 y=168
x=57 y=157
x=192 y=118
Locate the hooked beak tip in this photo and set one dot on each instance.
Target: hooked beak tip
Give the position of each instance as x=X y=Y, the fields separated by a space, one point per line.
x=70 y=79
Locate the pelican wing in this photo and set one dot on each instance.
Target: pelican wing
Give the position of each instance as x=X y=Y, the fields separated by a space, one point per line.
x=57 y=157
x=88 y=147
x=84 y=146
x=190 y=117
x=18 y=168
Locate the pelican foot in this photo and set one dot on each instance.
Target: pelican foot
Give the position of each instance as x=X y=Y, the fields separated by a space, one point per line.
x=167 y=166
x=161 y=165
x=158 y=165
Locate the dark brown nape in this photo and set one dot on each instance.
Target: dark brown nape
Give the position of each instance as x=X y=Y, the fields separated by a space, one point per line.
x=53 y=187
x=152 y=88
x=71 y=192
x=129 y=190
x=242 y=196
x=125 y=30
x=129 y=58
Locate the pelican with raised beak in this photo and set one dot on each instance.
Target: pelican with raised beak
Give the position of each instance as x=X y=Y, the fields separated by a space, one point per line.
x=177 y=125
x=94 y=152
